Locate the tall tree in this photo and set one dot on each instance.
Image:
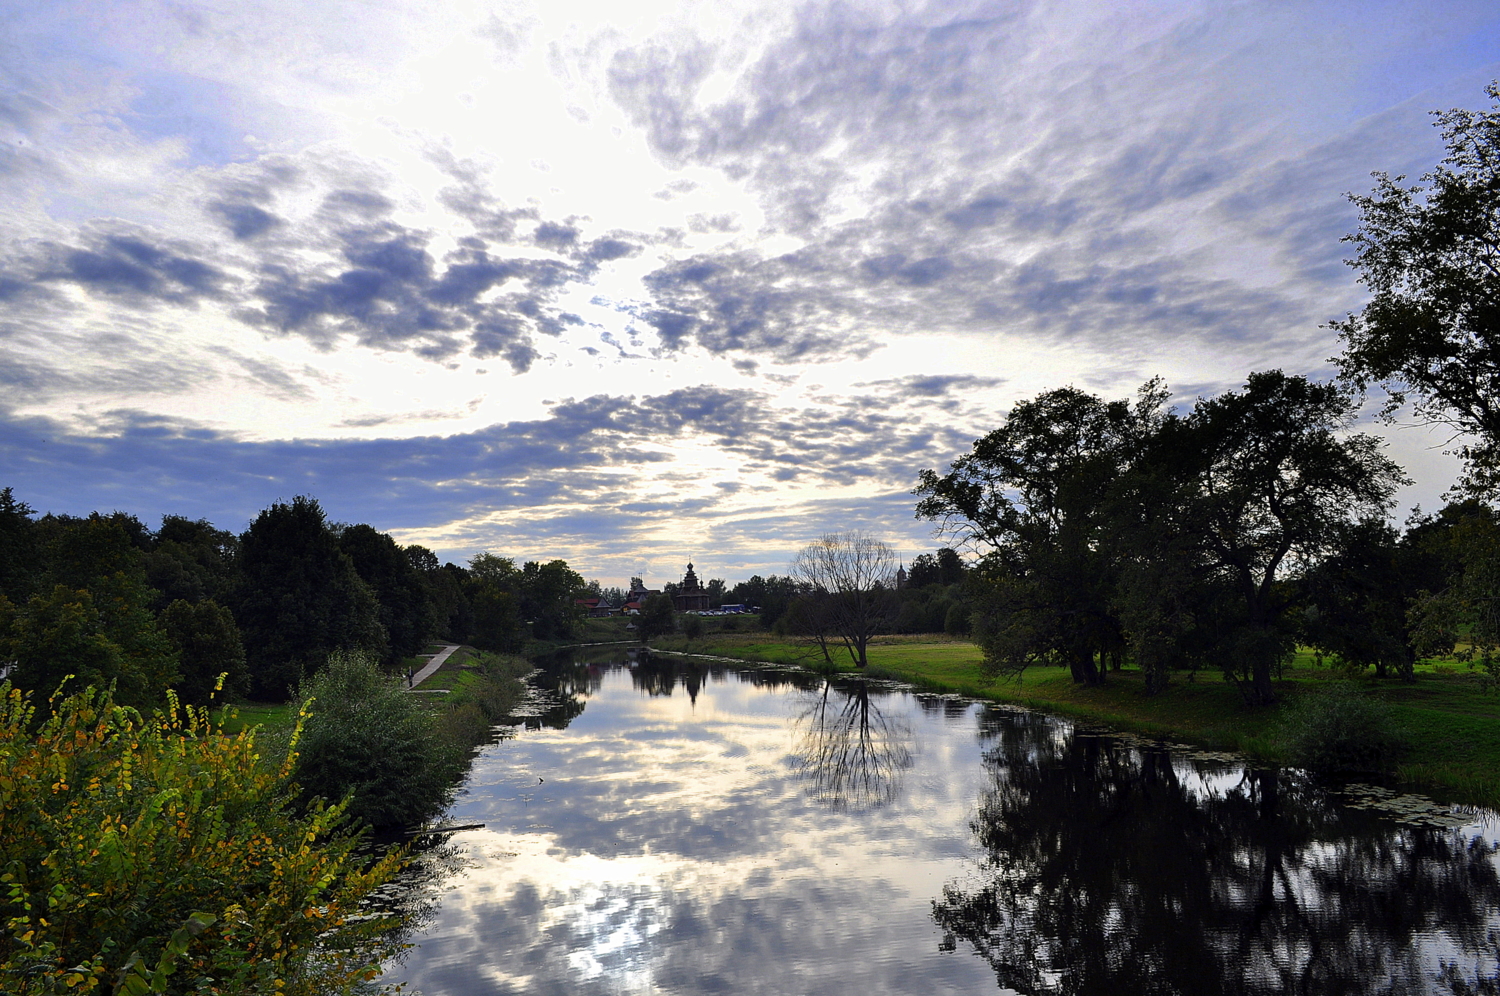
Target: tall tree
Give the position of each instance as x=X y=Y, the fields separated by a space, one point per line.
x=1033 y=498
x=1430 y=255
x=19 y=554
x=850 y=578
x=301 y=598
x=387 y=569
x=1274 y=477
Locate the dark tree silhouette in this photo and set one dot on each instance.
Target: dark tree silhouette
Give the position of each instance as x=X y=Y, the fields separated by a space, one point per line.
x=1121 y=869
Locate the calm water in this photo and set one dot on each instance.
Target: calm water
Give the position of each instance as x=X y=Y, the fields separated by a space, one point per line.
x=675 y=826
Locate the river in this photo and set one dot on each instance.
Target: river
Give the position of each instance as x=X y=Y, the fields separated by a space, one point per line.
x=676 y=825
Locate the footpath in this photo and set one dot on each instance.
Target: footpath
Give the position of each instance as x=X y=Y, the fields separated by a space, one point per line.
x=431 y=666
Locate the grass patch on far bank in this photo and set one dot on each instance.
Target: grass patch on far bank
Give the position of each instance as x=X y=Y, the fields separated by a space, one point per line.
x=1450 y=719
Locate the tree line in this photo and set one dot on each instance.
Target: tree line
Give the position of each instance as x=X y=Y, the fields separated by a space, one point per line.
x=107 y=599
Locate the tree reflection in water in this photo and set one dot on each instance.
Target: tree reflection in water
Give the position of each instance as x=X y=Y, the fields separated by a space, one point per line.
x=1118 y=869
x=849 y=751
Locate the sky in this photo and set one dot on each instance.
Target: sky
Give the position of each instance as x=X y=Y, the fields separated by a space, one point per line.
x=633 y=284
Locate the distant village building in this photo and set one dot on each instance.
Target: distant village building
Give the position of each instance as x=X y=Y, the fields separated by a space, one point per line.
x=690 y=595
x=636 y=599
x=900 y=575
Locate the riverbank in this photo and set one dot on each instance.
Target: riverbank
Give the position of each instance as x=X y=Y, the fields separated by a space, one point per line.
x=1450 y=719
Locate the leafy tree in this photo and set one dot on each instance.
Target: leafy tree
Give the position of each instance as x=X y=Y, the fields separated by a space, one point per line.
x=849 y=575
x=301 y=598
x=548 y=594
x=57 y=634
x=924 y=571
x=387 y=569
x=19 y=552
x=1356 y=600
x=1431 y=331
x=193 y=561
x=771 y=594
x=1034 y=498
x=1275 y=478
x=657 y=617
x=367 y=739
x=208 y=646
x=491 y=583
x=122 y=830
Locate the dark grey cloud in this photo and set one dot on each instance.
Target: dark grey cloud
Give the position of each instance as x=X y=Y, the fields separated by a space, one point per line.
x=592 y=474
x=245 y=220
x=132 y=264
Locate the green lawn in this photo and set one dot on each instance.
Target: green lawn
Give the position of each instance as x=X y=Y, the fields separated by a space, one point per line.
x=1451 y=719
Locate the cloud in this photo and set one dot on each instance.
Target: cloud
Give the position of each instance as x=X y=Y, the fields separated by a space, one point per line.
x=593 y=478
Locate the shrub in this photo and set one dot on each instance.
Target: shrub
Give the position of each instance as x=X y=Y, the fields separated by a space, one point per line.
x=368 y=739
x=692 y=626
x=1339 y=729
x=134 y=843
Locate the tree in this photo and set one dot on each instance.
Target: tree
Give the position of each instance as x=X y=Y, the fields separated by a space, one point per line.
x=193 y=561
x=490 y=588
x=208 y=645
x=849 y=575
x=657 y=617
x=387 y=569
x=548 y=594
x=92 y=615
x=18 y=548
x=1033 y=497
x=1273 y=478
x=1356 y=600
x=301 y=598
x=1430 y=256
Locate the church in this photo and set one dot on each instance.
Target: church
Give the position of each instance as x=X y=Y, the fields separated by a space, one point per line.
x=690 y=596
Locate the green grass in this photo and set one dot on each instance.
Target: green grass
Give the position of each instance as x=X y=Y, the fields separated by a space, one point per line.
x=1451 y=720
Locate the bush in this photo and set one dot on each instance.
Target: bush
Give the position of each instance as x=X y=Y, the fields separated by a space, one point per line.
x=135 y=843
x=692 y=626
x=368 y=739
x=1340 y=730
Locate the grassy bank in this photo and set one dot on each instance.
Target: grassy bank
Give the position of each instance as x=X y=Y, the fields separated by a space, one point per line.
x=1450 y=719
x=469 y=686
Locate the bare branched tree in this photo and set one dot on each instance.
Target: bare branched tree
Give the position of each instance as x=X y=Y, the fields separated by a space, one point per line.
x=849 y=751
x=849 y=577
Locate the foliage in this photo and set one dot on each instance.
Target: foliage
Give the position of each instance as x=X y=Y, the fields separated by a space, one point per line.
x=771 y=594
x=1033 y=498
x=1356 y=599
x=398 y=588
x=301 y=598
x=1339 y=729
x=107 y=640
x=657 y=618
x=192 y=561
x=135 y=843
x=371 y=742
x=692 y=625
x=944 y=568
x=1274 y=479
x=209 y=650
x=848 y=578
x=1427 y=253
x=18 y=547
x=511 y=604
